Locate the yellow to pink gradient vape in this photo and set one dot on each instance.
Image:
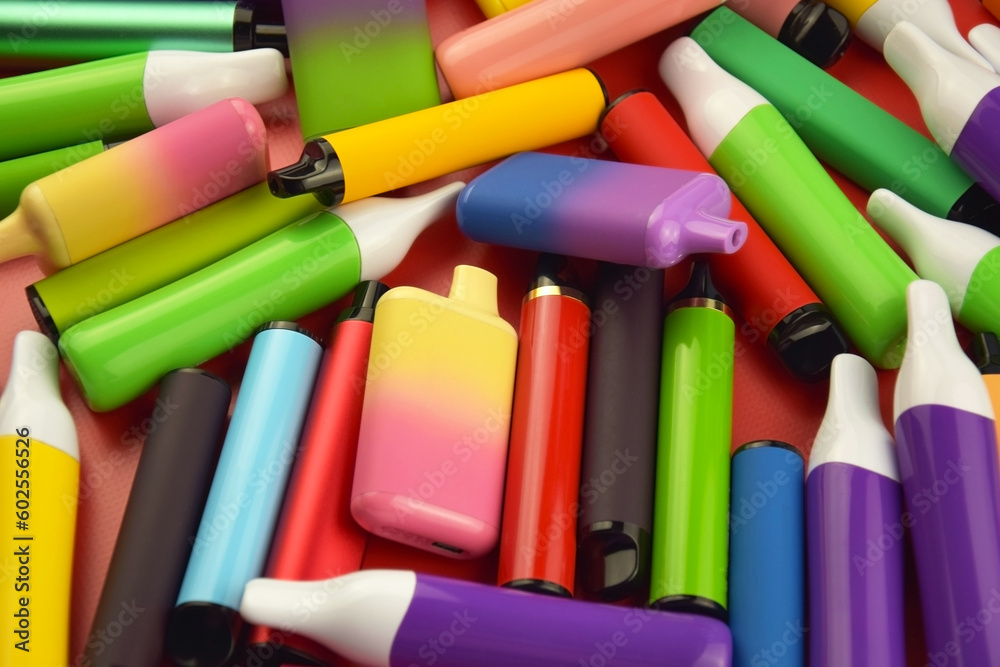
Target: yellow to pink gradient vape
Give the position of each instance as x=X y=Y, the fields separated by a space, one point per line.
x=137 y=186
x=432 y=449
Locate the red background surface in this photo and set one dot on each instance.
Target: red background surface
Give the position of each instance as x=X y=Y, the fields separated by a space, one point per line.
x=768 y=403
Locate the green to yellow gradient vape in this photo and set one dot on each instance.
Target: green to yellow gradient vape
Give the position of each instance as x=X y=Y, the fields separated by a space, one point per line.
x=159 y=257
x=691 y=507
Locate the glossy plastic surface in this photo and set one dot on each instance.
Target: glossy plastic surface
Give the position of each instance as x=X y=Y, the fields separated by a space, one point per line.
x=542 y=490
x=432 y=450
x=867 y=294
x=117 y=355
x=548 y=36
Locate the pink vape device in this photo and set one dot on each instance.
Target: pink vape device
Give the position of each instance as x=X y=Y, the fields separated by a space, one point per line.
x=546 y=37
x=432 y=448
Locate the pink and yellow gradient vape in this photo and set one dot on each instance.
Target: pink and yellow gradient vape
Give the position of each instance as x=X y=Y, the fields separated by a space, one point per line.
x=137 y=186
x=432 y=449
x=545 y=37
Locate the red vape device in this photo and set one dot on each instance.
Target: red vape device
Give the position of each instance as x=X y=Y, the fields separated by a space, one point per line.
x=316 y=537
x=541 y=497
x=774 y=301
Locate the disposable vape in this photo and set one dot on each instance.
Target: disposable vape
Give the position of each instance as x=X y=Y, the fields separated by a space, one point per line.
x=242 y=507
x=93 y=29
x=959 y=101
x=542 y=491
x=615 y=212
x=404 y=613
x=41 y=463
x=859 y=277
x=422 y=145
x=619 y=436
x=161 y=520
x=947 y=448
x=843 y=129
x=122 y=97
x=776 y=304
x=690 y=512
x=358 y=62
x=432 y=449
x=161 y=256
x=962 y=259
x=117 y=355
x=856 y=528
x=767 y=559
x=161 y=176
x=548 y=36
x=873 y=20
x=813 y=29
x=316 y=536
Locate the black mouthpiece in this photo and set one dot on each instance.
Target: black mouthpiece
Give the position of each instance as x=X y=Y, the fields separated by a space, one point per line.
x=318 y=172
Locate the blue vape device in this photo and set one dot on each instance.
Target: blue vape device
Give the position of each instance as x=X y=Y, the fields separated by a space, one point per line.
x=243 y=504
x=767 y=555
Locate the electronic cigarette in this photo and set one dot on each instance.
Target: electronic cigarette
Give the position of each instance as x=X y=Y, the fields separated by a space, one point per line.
x=161 y=519
x=814 y=30
x=548 y=37
x=404 y=612
x=122 y=97
x=418 y=146
x=137 y=186
x=859 y=277
x=962 y=259
x=243 y=503
x=542 y=491
x=19 y=173
x=873 y=20
x=777 y=306
x=615 y=212
x=41 y=466
x=161 y=256
x=767 y=579
x=120 y=353
x=93 y=29
x=354 y=63
x=986 y=354
x=691 y=508
x=316 y=536
x=432 y=449
x=856 y=528
x=947 y=448
x=619 y=436
x=959 y=101
x=846 y=131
